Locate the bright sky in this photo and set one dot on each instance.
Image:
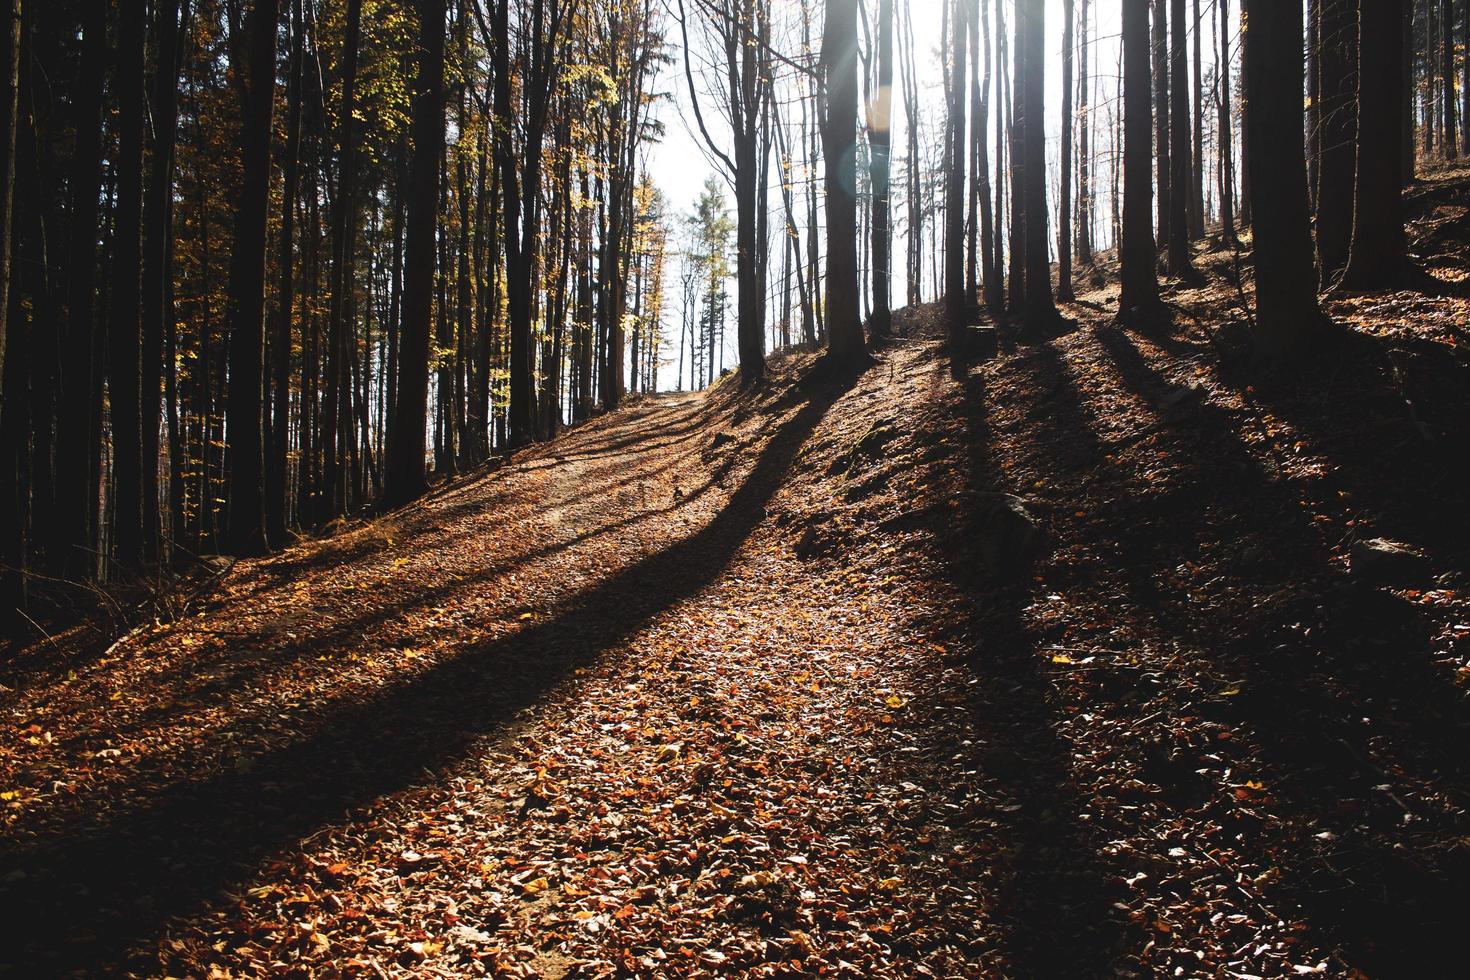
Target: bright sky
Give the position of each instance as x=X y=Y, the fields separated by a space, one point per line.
x=680 y=164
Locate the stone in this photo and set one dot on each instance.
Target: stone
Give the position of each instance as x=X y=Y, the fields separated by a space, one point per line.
x=1386 y=561
x=1008 y=537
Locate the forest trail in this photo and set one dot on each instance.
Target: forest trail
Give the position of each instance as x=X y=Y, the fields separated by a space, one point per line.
x=717 y=685
x=588 y=708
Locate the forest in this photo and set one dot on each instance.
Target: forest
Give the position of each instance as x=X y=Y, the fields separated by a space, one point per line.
x=699 y=488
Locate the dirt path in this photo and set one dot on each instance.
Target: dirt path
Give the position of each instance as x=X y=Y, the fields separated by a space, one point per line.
x=589 y=712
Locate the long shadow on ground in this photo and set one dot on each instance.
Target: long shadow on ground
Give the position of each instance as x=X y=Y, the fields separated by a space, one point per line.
x=86 y=898
x=1049 y=893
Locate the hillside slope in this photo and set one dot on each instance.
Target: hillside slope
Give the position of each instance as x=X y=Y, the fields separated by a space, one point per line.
x=724 y=684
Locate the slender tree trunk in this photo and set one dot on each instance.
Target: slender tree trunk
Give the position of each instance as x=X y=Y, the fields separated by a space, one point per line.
x=1288 y=321
x=881 y=142
x=276 y=495
x=10 y=27
x=1465 y=80
x=1406 y=57
x=1227 y=133
x=1138 y=304
x=246 y=515
x=1084 y=142
x=1338 y=64
x=1451 y=139
x=403 y=465
x=1378 y=256
x=124 y=321
x=1163 y=169
x=839 y=137
x=955 y=304
x=1041 y=311
x=1181 y=263
x=157 y=306
x=1064 y=206
x=1197 y=197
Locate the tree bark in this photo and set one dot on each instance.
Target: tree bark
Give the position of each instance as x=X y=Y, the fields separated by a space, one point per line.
x=1227 y=134
x=955 y=305
x=404 y=477
x=1181 y=178
x=1337 y=63
x=124 y=322
x=1288 y=321
x=276 y=495
x=880 y=139
x=73 y=546
x=157 y=306
x=1163 y=170
x=246 y=514
x=10 y=24
x=1138 y=303
x=1064 y=206
x=839 y=138
x=1451 y=140
x=1040 y=308
x=1378 y=257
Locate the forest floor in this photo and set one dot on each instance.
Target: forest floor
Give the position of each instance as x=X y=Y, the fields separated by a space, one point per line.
x=719 y=685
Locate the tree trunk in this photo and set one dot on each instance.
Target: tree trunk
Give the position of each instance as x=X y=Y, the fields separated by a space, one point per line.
x=74 y=538
x=955 y=305
x=157 y=306
x=1451 y=139
x=1337 y=63
x=1181 y=178
x=1288 y=321
x=1197 y=186
x=10 y=23
x=1378 y=257
x=1138 y=304
x=1084 y=143
x=839 y=138
x=1041 y=311
x=1064 y=206
x=1163 y=171
x=880 y=139
x=403 y=466
x=276 y=497
x=124 y=358
x=246 y=515
x=1227 y=133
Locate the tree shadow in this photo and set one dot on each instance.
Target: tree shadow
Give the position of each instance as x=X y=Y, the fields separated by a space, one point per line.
x=81 y=897
x=1048 y=889
x=1335 y=680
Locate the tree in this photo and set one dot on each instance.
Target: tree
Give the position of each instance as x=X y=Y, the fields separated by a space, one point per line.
x=276 y=503
x=1138 y=303
x=1040 y=308
x=743 y=27
x=1288 y=321
x=880 y=132
x=1378 y=256
x=839 y=143
x=1227 y=132
x=1064 y=208
x=124 y=321
x=156 y=300
x=955 y=303
x=1450 y=141
x=72 y=540
x=1181 y=180
x=10 y=26
x=404 y=478
x=1161 y=117
x=1338 y=66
